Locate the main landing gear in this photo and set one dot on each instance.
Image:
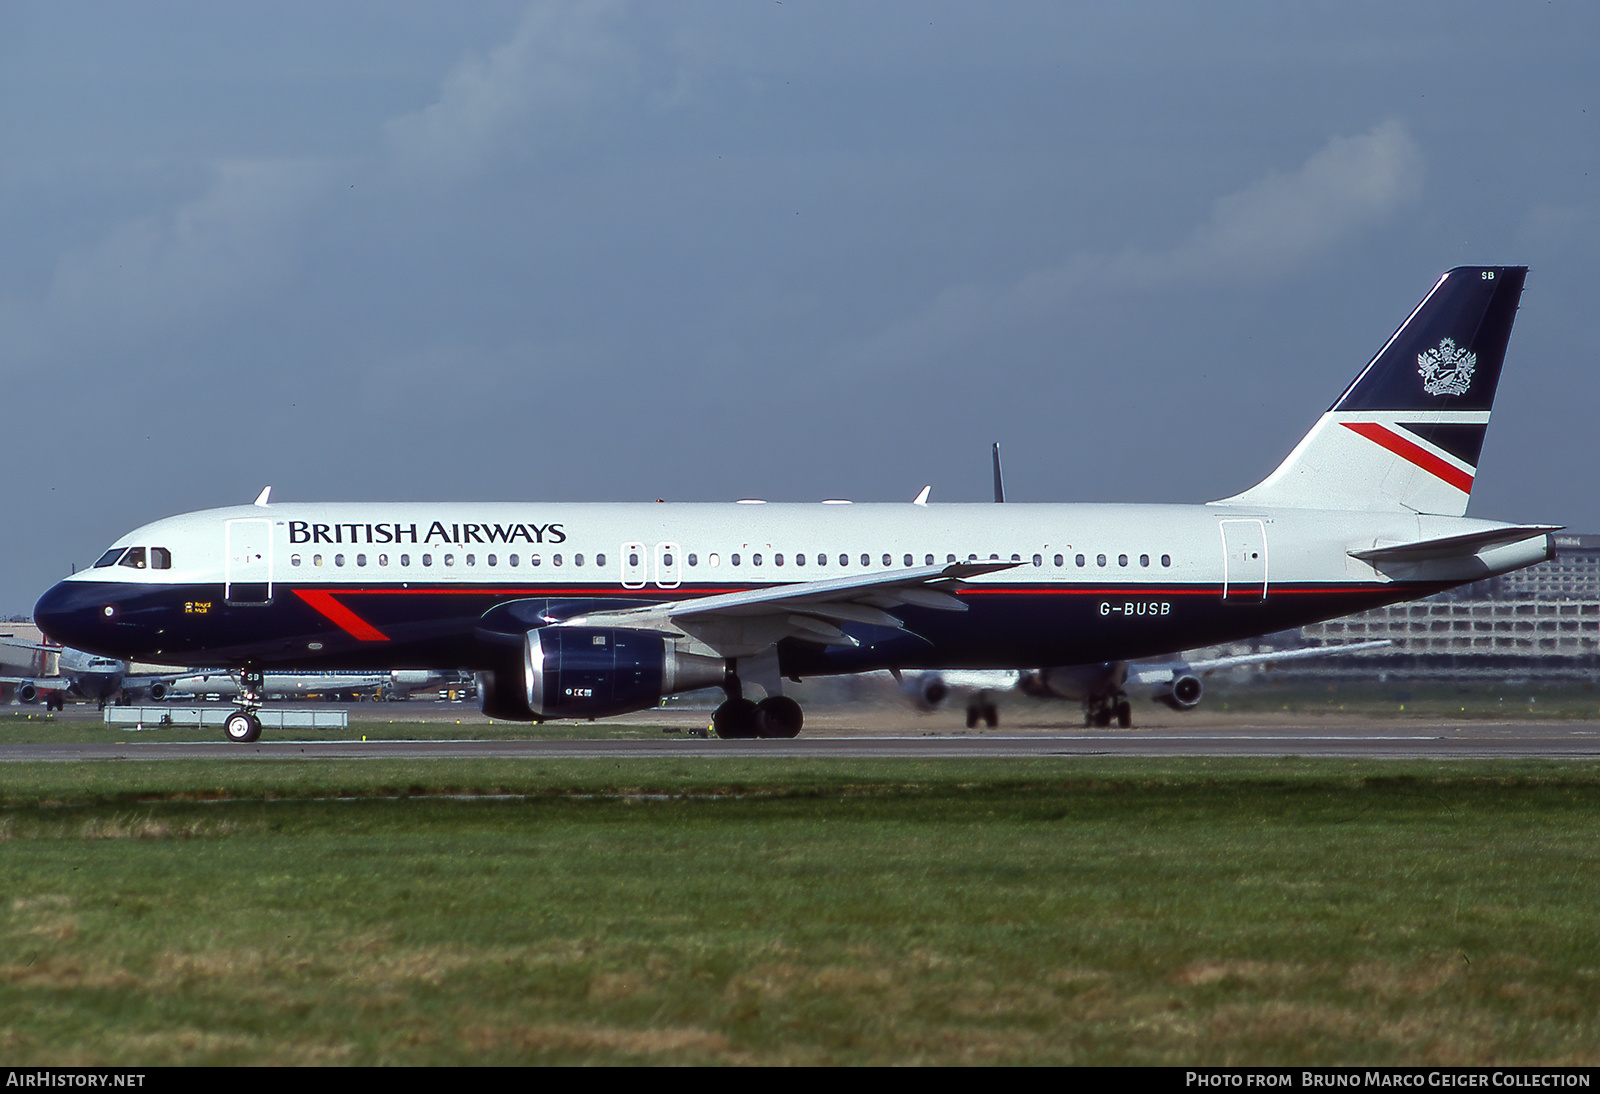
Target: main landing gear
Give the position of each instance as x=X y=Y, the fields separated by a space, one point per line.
x=776 y=716
x=1100 y=710
x=244 y=725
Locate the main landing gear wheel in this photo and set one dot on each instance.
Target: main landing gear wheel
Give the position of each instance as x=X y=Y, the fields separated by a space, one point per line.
x=778 y=716
x=242 y=727
x=735 y=720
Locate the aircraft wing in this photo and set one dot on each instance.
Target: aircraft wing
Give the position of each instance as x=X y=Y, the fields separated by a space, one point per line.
x=1160 y=672
x=746 y=623
x=40 y=683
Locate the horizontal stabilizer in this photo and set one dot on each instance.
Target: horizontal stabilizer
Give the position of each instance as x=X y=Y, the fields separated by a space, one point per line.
x=1463 y=546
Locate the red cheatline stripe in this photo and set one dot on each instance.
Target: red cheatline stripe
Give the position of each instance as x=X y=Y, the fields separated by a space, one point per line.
x=1413 y=453
x=343 y=617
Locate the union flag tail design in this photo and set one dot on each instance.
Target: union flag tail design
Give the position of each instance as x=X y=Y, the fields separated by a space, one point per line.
x=1406 y=435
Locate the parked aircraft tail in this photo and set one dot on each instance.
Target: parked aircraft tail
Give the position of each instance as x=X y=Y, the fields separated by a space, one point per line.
x=1406 y=435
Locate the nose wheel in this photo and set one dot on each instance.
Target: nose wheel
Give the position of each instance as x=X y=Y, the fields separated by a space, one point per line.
x=242 y=727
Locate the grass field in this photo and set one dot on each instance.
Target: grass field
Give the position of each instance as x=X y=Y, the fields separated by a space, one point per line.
x=800 y=912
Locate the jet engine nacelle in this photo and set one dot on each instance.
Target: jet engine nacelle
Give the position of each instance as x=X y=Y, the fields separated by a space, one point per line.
x=158 y=691
x=27 y=692
x=1181 y=692
x=592 y=672
x=927 y=691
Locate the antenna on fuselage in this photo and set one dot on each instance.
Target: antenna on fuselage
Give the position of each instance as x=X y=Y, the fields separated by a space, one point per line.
x=261 y=498
x=999 y=483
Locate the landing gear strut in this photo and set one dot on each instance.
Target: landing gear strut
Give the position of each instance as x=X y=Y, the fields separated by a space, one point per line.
x=981 y=708
x=244 y=725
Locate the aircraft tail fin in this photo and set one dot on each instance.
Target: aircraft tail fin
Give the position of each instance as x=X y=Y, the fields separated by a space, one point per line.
x=1406 y=435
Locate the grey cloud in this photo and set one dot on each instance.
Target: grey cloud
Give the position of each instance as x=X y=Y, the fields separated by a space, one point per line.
x=1346 y=187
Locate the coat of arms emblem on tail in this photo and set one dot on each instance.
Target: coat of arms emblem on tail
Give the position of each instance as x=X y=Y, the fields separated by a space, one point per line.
x=1445 y=369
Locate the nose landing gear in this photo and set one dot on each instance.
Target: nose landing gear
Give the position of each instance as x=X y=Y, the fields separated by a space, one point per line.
x=244 y=725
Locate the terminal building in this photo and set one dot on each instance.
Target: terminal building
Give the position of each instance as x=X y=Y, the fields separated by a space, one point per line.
x=1542 y=621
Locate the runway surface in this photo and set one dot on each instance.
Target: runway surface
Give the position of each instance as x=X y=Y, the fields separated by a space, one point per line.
x=843 y=736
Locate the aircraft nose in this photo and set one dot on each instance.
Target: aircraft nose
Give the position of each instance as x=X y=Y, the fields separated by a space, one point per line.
x=74 y=615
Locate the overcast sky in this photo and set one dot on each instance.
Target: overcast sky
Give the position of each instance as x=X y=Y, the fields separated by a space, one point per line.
x=796 y=250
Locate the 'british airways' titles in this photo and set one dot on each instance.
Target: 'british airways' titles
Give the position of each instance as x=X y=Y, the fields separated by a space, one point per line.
x=304 y=531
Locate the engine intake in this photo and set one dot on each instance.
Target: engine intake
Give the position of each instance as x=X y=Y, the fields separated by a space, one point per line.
x=1181 y=692
x=927 y=691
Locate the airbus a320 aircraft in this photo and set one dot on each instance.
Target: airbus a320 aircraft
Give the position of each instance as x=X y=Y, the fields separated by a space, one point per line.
x=585 y=610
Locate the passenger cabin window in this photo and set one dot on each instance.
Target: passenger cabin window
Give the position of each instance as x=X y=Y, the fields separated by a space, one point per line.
x=599 y=560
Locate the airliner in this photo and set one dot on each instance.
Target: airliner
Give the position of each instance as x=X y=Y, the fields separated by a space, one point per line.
x=79 y=676
x=1102 y=689
x=395 y=684
x=588 y=610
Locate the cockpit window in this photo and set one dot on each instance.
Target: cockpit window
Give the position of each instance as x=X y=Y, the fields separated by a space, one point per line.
x=160 y=558
x=134 y=558
x=110 y=557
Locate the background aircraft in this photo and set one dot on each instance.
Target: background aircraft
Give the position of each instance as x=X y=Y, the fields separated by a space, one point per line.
x=1103 y=688
x=395 y=684
x=59 y=674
